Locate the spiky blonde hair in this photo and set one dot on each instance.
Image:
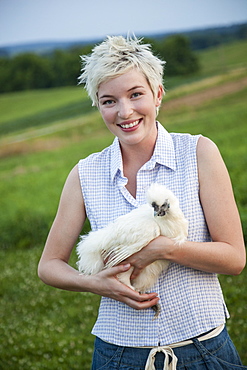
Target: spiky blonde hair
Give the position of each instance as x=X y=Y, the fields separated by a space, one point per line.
x=116 y=56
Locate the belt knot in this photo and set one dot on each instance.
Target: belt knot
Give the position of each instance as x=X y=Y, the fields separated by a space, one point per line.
x=170 y=362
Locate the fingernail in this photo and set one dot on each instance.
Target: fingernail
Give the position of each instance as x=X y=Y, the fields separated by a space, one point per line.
x=127 y=266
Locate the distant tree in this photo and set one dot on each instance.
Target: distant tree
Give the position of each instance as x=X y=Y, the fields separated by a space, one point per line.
x=29 y=71
x=200 y=41
x=64 y=68
x=66 y=65
x=5 y=75
x=179 y=57
x=242 y=32
x=4 y=52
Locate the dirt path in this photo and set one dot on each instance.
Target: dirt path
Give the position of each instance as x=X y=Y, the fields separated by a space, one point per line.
x=201 y=97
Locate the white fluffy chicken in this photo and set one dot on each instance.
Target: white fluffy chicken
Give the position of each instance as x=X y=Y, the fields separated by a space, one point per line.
x=128 y=234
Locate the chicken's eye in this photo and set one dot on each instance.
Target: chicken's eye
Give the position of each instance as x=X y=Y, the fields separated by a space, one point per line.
x=155 y=206
x=166 y=204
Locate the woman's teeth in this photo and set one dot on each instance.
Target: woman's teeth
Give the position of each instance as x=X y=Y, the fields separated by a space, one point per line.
x=130 y=124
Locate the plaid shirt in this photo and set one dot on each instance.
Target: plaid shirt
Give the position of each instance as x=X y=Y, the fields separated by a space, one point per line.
x=191 y=300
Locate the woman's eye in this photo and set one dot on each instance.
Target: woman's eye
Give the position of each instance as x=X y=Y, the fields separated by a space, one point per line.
x=108 y=102
x=136 y=95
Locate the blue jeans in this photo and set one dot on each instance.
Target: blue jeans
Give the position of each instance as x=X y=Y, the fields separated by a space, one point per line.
x=217 y=353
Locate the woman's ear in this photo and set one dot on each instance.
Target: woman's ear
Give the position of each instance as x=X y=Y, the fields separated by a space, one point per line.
x=159 y=96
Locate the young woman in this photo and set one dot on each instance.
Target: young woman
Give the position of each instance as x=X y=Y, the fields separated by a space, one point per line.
x=124 y=79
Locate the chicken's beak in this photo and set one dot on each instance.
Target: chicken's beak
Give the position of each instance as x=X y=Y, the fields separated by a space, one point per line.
x=161 y=213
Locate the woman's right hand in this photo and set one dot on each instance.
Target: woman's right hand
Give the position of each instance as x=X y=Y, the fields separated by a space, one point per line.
x=106 y=284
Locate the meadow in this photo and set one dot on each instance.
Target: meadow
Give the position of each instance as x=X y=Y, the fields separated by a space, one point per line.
x=43 y=134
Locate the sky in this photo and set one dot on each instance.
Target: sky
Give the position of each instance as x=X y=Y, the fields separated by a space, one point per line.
x=26 y=21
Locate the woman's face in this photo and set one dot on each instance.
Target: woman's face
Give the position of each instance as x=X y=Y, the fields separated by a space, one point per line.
x=128 y=108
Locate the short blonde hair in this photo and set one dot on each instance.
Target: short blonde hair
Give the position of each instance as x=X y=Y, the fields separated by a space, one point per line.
x=114 y=57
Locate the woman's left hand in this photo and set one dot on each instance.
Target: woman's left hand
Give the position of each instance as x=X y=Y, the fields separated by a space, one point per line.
x=147 y=255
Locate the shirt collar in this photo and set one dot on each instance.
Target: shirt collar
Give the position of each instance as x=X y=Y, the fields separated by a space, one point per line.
x=164 y=153
x=116 y=158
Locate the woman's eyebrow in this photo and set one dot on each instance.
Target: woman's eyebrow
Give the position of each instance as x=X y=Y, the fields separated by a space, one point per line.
x=105 y=96
x=111 y=96
x=136 y=87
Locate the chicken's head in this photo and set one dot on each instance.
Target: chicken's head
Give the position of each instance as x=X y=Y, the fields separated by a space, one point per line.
x=161 y=209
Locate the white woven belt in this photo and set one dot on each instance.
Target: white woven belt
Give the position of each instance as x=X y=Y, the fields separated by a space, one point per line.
x=169 y=354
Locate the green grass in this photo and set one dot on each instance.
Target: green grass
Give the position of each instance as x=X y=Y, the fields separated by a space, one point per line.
x=41 y=327
x=29 y=103
x=41 y=107
x=224 y=58
x=45 y=328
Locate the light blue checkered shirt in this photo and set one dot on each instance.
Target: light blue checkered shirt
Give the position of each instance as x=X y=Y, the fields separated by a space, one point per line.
x=191 y=300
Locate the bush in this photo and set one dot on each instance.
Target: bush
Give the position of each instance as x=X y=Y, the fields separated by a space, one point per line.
x=29 y=71
x=180 y=59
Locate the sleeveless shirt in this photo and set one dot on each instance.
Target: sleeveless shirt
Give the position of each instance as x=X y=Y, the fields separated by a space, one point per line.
x=191 y=300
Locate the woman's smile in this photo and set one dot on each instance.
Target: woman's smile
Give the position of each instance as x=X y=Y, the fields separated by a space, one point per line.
x=131 y=125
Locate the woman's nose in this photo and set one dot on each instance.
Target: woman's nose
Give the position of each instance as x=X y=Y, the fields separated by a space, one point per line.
x=125 y=110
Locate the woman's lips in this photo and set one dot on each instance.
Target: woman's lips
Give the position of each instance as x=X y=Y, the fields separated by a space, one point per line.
x=130 y=126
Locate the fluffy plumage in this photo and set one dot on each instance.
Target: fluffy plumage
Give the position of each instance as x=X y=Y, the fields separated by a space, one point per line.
x=131 y=232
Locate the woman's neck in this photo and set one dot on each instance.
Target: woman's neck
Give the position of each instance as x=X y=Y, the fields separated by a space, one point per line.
x=133 y=159
x=136 y=157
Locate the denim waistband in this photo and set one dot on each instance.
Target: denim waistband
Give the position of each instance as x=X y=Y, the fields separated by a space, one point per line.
x=171 y=360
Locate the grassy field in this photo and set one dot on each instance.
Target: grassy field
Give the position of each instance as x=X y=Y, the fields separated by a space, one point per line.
x=40 y=141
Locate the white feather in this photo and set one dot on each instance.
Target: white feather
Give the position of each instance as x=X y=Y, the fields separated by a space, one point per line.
x=128 y=234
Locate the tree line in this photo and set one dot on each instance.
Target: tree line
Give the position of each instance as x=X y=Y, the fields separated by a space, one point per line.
x=62 y=67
